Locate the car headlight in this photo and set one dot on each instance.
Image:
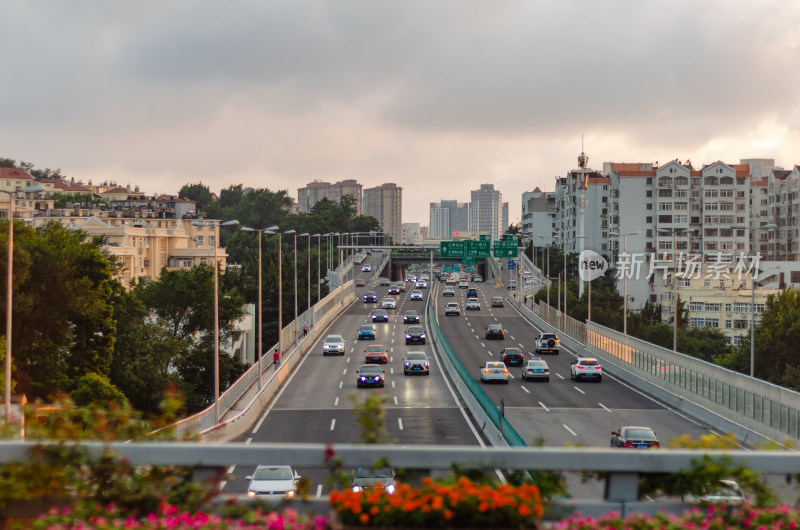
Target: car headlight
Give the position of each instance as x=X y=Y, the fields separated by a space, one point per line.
x=408 y=336
x=325 y=346
x=357 y=488
x=251 y=493
x=377 y=378
x=422 y=336
x=290 y=493
x=426 y=364
x=390 y=489
x=407 y=363
x=363 y=378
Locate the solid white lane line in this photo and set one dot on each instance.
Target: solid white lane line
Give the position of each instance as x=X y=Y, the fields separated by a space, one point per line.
x=579 y=390
x=336 y=402
x=568 y=429
x=608 y=409
x=526 y=390
x=333 y=423
x=544 y=407
x=400 y=423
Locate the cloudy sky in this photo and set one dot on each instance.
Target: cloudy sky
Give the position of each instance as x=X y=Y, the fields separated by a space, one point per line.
x=438 y=96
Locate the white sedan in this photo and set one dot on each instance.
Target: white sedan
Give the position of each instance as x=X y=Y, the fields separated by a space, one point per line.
x=389 y=303
x=415 y=295
x=494 y=371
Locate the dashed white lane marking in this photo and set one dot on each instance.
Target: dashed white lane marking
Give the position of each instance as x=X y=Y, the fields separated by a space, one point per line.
x=333 y=423
x=608 y=409
x=336 y=402
x=319 y=491
x=341 y=383
x=578 y=389
x=560 y=376
x=526 y=390
x=392 y=384
x=544 y=407
x=344 y=371
x=400 y=423
x=568 y=429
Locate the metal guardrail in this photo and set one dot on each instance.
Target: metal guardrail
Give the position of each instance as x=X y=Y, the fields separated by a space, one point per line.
x=622 y=467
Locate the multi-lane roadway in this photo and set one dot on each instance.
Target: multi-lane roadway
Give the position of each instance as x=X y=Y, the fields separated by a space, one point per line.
x=317 y=402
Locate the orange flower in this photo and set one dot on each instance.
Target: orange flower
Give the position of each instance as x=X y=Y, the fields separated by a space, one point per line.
x=364 y=518
x=374 y=510
x=448 y=514
x=524 y=511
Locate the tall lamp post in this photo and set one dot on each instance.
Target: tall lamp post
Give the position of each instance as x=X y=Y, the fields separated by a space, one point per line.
x=674 y=232
x=753 y=230
x=589 y=308
x=215 y=226
x=625 y=278
x=308 y=264
x=294 y=232
x=9 y=301
x=260 y=304
x=319 y=266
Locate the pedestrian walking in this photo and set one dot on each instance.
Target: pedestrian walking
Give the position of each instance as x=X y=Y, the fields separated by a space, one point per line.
x=305 y=330
x=276 y=358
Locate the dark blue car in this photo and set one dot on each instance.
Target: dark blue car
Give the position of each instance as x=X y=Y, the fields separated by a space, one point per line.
x=370 y=296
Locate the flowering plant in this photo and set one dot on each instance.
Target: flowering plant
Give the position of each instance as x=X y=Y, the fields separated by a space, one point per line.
x=710 y=518
x=459 y=504
x=172 y=518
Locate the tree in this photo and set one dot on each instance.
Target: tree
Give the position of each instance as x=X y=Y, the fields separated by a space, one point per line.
x=96 y=389
x=146 y=353
x=200 y=194
x=62 y=270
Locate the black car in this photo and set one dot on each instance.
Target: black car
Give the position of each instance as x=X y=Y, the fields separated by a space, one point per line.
x=513 y=357
x=370 y=296
x=415 y=335
x=495 y=331
x=410 y=317
x=370 y=375
x=634 y=437
x=380 y=315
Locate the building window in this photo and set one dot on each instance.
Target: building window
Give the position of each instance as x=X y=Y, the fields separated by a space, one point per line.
x=728 y=324
x=696 y=306
x=648 y=219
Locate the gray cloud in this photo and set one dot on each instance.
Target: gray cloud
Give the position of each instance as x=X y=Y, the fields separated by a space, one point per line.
x=440 y=96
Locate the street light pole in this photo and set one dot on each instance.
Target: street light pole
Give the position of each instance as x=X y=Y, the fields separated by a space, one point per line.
x=674 y=232
x=319 y=266
x=215 y=226
x=589 y=309
x=624 y=278
x=753 y=230
x=308 y=264
x=9 y=300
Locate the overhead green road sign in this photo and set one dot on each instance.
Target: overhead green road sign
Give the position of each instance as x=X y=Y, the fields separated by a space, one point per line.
x=452 y=249
x=477 y=249
x=484 y=237
x=468 y=260
x=505 y=249
x=454 y=268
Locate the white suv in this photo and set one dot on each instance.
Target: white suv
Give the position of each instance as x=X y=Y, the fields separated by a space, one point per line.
x=547 y=342
x=333 y=344
x=586 y=368
x=452 y=309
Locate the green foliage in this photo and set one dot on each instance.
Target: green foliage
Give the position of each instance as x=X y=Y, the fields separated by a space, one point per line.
x=371 y=418
x=95 y=388
x=70 y=472
x=201 y=194
x=59 y=269
x=64 y=199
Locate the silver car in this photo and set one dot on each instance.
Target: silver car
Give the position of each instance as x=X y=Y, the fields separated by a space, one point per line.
x=388 y=303
x=416 y=362
x=415 y=295
x=333 y=344
x=535 y=369
x=275 y=482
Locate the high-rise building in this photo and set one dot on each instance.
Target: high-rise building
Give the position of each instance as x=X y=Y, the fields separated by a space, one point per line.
x=486 y=211
x=448 y=218
x=411 y=234
x=385 y=203
x=538 y=216
x=315 y=191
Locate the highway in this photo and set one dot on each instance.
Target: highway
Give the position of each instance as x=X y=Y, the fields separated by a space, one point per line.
x=316 y=403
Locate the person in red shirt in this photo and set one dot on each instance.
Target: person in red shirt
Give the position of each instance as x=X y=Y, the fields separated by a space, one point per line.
x=276 y=358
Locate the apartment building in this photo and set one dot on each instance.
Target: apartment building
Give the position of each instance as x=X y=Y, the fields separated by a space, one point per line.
x=448 y=217
x=411 y=234
x=385 y=203
x=781 y=206
x=317 y=190
x=486 y=211
x=538 y=216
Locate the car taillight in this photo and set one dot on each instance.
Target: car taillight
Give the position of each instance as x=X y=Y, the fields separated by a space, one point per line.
x=487 y=371
x=505 y=371
x=655 y=444
x=547 y=370
x=627 y=444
